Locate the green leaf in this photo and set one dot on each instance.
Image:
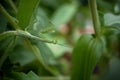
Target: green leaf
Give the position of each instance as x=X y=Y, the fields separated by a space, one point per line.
x=64 y=14
x=46 y=53
x=112 y=30
x=42 y=58
x=40 y=23
x=112 y=24
x=85 y=56
x=33 y=76
x=7 y=50
x=111 y=19
x=25 y=11
x=4 y=41
x=46 y=57
x=22 y=76
x=21 y=54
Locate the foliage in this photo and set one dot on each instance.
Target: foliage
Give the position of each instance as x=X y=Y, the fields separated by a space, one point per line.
x=29 y=49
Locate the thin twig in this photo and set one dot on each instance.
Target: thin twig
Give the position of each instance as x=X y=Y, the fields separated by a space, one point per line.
x=24 y=34
x=9 y=17
x=7 y=51
x=11 y=3
x=27 y=35
x=95 y=17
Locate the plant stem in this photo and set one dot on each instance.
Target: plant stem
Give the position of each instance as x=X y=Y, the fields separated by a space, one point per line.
x=39 y=58
x=21 y=33
x=95 y=17
x=6 y=34
x=12 y=5
x=9 y=18
x=7 y=51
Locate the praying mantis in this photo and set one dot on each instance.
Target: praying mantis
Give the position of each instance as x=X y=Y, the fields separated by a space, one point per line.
x=24 y=34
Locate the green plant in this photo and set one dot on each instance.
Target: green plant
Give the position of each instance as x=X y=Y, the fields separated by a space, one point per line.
x=25 y=28
x=90 y=48
x=28 y=41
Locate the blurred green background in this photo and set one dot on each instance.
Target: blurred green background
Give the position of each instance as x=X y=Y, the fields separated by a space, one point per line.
x=69 y=20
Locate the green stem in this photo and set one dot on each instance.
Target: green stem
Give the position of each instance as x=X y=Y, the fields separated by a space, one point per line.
x=23 y=34
x=7 y=51
x=33 y=49
x=9 y=18
x=95 y=17
x=27 y=36
x=6 y=34
x=12 y=5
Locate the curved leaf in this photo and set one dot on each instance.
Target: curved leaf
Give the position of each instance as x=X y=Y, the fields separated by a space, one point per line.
x=46 y=57
x=22 y=76
x=86 y=54
x=20 y=54
x=110 y=19
x=25 y=12
x=112 y=23
x=64 y=14
x=40 y=23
